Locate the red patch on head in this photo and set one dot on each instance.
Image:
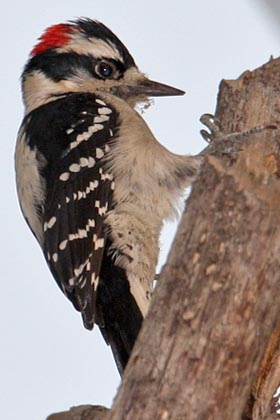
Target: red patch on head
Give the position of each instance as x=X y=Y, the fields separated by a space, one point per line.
x=53 y=37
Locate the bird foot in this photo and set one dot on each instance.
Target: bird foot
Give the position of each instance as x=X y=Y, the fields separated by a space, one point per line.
x=220 y=144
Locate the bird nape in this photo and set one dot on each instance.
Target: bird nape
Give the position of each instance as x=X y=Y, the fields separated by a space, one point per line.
x=93 y=183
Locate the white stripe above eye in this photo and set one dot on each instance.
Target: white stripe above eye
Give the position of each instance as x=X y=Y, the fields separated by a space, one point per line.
x=96 y=47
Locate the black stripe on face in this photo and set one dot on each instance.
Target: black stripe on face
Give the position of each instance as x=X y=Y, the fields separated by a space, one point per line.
x=63 y=66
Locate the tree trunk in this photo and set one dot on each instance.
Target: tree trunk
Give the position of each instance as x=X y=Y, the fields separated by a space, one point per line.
x=218 y=300
x=198 y=354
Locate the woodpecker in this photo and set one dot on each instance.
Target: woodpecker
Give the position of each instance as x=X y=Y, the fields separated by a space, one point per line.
x=94 y=184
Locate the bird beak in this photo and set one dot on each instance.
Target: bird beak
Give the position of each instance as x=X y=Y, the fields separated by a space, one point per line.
x=151 y=88
x=143 y=88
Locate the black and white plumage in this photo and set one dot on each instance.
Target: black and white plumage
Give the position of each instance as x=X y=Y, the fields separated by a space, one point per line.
x=93 y=183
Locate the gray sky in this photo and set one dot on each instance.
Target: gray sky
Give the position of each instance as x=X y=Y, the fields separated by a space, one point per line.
x=48 y=360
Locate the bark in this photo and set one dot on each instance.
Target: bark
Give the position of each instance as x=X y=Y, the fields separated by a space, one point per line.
x=262 y=405
x=217 y=304
x=82 y=412
x=209 y=348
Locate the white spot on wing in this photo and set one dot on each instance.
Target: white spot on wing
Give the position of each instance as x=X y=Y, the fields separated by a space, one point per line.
x=55 y=257
x=104 y=110
x=73 y=236
x=97 y=127
x=86 y=134
x=81 y=137
x=103 y=210
x=105 y=176
x=82 y=282
x=100 y=102
x=73 y=144
x=99 y=153
x=82 y=233
x=83 y=162
x=78 y=271
x=94 y=280
x=50 y=223
x=91 y=222
x=93 y=185
x=64 y=176
x=74 y=167
x=101 y=119
x=91 y=162
x=63 y=244
x=98 y=242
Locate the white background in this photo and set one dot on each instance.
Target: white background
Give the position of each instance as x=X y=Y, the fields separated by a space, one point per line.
x=48 y=361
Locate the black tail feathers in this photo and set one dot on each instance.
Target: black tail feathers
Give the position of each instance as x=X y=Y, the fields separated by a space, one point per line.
x=118 y=315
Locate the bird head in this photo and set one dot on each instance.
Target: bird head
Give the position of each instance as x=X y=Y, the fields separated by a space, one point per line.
x=85 y=56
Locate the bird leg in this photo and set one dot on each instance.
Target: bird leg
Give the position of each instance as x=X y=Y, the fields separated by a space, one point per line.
x=220 y=144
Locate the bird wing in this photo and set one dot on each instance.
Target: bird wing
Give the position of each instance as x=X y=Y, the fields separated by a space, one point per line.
x=79 y=195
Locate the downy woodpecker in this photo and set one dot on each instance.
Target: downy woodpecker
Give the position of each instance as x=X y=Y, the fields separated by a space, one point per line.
x=94 y=184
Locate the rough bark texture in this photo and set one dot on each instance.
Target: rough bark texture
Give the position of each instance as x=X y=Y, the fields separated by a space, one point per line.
x=82 y=412
x=217 y=303
x=218 y=299
x=263 y=405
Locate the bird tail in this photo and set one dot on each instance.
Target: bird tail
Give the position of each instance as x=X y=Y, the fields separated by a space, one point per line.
x=117 y=313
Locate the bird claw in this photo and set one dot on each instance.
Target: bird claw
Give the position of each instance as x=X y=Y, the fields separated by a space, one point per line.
x=213 y=124
x=220 y=144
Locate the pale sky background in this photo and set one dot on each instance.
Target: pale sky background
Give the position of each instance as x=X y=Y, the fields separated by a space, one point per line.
x=48 y=361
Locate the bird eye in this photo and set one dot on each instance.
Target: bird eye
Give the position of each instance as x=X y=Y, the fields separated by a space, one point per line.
x=105 y=70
